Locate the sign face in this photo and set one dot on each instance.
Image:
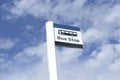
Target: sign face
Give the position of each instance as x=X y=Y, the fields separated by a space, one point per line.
x=67 y=36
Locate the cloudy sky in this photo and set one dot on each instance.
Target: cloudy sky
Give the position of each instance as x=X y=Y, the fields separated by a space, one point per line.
x=23 y=53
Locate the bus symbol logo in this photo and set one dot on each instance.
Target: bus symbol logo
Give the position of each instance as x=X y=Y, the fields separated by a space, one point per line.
x=67 y=33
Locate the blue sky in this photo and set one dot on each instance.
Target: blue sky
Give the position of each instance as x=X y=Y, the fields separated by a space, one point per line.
x=23 y=53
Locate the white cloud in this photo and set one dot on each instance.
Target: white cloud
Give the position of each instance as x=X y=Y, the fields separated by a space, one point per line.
x=104 y=65
x=29 y=27
x=6 y=43
x=93 y=35
x=114 y=14
x=1 y=60
x=2 y=57
x=116 y=35
x=67 y=54
x=67 y=10
x=48 y=9
x=34 y=7
x=115 y=67
x=108 y=53
x=31 y=53
x=34 y=71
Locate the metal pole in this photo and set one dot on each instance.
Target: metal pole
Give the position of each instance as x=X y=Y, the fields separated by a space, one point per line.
x=51 y=51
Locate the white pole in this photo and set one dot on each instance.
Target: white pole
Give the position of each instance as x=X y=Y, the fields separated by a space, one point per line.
x=51 y=51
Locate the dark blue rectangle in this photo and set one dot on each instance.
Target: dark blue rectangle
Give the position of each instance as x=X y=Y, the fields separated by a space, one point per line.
x=63 y=44
x=66 y=27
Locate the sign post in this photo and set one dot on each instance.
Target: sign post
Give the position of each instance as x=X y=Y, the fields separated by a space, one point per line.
x=51 y=51
x=60 y=35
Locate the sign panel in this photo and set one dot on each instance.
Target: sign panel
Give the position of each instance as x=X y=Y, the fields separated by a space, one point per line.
x=67 y=36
